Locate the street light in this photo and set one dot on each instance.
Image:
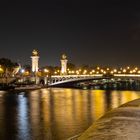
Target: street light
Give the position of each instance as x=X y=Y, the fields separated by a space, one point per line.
x=46 y=70
x=124 y=70
x=1 y=69
x=22 y=70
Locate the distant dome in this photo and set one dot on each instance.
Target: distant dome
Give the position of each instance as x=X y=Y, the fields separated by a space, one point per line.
x=35 y=53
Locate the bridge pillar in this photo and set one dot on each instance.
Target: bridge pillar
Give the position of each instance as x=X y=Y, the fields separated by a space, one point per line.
x=64 y=64
x=37 y=80
x=45 y=80
x=35 y=59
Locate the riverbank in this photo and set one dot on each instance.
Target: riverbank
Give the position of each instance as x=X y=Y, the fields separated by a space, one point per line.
x=122 y=123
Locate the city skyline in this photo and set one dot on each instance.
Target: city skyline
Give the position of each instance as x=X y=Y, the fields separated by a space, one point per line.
x=99 y=33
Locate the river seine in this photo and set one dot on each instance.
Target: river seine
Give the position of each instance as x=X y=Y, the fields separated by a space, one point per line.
x=55 y=113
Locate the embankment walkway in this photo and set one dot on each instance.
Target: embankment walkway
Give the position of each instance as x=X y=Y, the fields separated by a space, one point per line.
x=122 y=123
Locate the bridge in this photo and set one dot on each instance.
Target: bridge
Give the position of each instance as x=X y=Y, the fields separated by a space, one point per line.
x=68 y=80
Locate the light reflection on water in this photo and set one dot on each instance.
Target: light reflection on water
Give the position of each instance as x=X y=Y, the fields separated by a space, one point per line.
x=55 y=114
x=22 y=124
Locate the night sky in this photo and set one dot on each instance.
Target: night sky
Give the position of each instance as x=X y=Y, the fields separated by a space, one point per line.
x=101 y=32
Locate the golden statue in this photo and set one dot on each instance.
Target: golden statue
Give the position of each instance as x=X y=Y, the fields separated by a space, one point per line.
x=35 y=53
x=64 y=56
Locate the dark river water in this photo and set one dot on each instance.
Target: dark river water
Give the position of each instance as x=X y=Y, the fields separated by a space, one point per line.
x=55 y=114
